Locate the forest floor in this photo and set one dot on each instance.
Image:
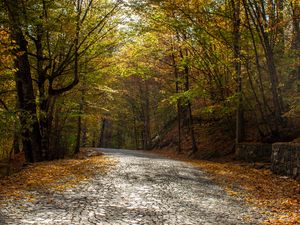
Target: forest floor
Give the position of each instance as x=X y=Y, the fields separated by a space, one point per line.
x=255 y=183
x=57 y=175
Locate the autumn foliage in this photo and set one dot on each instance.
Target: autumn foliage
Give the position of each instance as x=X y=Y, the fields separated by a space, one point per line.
x=54 y=176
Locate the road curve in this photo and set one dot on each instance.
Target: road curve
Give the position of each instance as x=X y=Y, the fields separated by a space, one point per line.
x=141 y=189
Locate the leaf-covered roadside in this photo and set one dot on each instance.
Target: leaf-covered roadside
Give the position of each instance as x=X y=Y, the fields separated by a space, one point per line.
x=54 y=176
x=278 y=196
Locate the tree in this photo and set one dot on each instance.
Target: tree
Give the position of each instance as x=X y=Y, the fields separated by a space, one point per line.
x=26 y=99
x=51 y=41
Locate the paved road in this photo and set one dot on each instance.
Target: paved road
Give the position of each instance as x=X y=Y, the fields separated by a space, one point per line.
x=141 y=189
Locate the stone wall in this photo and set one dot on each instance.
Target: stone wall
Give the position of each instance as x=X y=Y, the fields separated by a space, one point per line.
x=286 y=159
x=4 y=170
x=253 y=152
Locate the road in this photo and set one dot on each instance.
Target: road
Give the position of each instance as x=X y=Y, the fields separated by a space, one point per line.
x=141 y=189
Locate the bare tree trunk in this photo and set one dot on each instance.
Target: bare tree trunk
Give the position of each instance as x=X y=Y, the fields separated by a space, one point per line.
x=296 y=39
x=16 y=140
x=16 y=145
x=102 y=139
x=76 y=74
x=189 y=105
x=79 y=124
x=269 y=55
x=94 y=139
x=147 y=133
x=135 y=130
x=257 y=60
x=78 y=135
x=260 y=107
x=259 y=18
x=192 y=130
x=176 y=73
x=56 y=145
x=240 y=131
x=84 y=139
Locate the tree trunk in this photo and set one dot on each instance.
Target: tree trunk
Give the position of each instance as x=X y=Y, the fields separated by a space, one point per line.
x=84 y=139
x=274 y=83
x=259 y=20
x=57 y=127
x=102 y=139
x=94 y=139
x=258 y=67
x=189 y=106
x=177 y=83
x=147 y=134
x=235 y=5
x=135 y=130
x=76 y=74
x=26 y=99
x=296 y=40
x=192 y=131
x=78 y=135
x=16 y=145
x=45 y=120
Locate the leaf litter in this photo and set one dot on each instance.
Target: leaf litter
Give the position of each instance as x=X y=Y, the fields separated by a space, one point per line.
x=277 y=197
x=58 y=175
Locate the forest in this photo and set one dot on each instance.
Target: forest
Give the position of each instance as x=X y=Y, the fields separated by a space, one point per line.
x=149 y=112
x=147 y=74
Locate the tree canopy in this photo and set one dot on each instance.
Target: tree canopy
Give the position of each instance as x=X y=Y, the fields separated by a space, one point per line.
x=125 y=74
